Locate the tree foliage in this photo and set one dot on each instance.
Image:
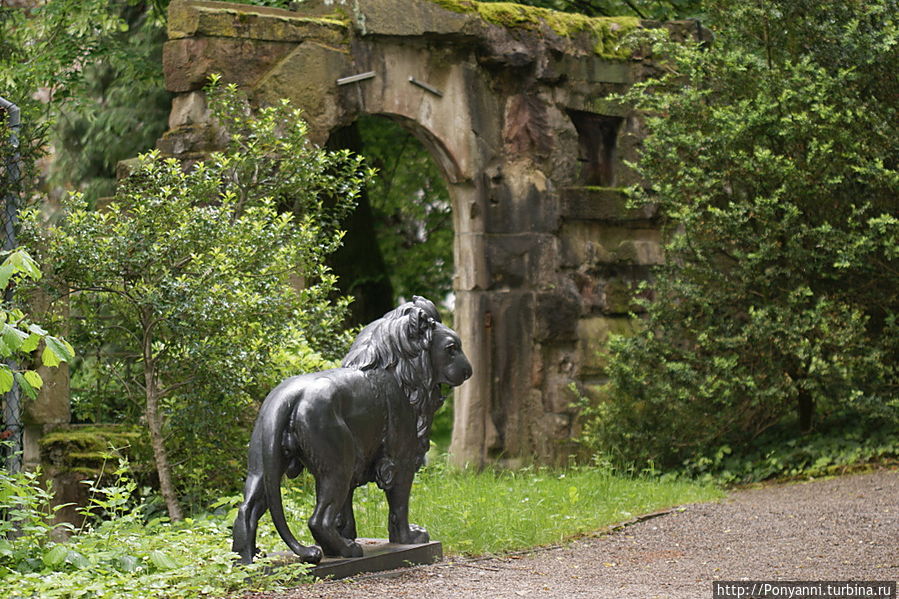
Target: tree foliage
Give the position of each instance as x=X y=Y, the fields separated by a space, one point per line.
x=189 y=284
x=24 y=345
x=44 y=51
x=773 y=152
x=121 y=108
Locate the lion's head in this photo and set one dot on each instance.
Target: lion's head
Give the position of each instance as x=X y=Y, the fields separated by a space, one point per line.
x=419 y=351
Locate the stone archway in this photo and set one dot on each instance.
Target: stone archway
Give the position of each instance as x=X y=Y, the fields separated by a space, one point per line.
x=511 y=103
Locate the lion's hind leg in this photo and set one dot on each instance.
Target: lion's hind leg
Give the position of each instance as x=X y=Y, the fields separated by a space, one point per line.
x=346 y=524
x=331 y=496
x=330 y=447
x=248 y=515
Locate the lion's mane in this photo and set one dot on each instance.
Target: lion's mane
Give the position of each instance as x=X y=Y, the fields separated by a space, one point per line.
x=399 y=343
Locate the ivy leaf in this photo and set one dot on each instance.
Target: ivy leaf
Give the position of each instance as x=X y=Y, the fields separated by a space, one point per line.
x=162 y=561
x=13 y=337
x=56 y=556
x=34 y=379
x=56 y=351
x=6 y=378
x=6 y=271
x=25 y=385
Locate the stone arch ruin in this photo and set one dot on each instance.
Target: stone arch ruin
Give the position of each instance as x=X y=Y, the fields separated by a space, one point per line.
x=511 y=103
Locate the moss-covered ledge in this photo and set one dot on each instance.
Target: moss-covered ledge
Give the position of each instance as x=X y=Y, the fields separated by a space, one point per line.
x=607 y=33
x=187 y=18
x=84 y=449
x=607 y=204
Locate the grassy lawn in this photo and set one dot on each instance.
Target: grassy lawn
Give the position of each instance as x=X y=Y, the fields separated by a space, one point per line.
x=489 y=512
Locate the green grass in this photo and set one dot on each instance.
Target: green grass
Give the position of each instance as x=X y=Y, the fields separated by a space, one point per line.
x=475 y=513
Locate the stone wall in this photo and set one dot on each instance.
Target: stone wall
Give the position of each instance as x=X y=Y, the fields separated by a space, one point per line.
x=512 y=104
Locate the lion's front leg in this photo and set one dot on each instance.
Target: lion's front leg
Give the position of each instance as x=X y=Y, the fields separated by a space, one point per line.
x=398 y=520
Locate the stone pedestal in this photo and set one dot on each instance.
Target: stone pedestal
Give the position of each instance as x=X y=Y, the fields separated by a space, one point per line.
x=379 y=555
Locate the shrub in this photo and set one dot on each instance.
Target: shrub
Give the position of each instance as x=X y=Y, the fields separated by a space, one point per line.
x=773 y=154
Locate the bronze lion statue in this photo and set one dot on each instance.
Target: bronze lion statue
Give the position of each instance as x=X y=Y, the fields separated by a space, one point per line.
x=368 y=421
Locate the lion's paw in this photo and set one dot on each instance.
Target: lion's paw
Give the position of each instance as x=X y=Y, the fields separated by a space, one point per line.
x=418 y=535
x=352 y=549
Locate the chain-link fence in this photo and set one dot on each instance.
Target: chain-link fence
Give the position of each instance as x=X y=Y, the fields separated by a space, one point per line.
x=9 y=177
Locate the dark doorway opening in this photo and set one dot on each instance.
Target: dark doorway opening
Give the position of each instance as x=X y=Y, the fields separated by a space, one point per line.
x=597 y=141
x=399 y=240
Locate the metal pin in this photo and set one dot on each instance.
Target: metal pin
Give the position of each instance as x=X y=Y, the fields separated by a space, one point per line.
x=355 y=78
x=426 y=87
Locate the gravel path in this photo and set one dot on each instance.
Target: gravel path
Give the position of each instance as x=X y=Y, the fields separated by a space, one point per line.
x=844 y=528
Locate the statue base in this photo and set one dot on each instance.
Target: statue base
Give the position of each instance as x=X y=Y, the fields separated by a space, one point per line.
x=378 y=555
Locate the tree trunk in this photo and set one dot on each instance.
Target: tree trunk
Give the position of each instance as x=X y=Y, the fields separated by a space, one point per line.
x=805 y=406
x=154 y=422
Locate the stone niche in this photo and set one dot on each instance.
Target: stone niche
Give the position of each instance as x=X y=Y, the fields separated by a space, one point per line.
x=513 y=104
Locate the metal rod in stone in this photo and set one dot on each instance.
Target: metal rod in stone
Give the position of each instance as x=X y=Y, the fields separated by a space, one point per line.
x=355 y=78
x=426 y=87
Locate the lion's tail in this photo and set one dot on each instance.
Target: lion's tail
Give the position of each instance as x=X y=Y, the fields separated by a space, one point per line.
x=277 y=423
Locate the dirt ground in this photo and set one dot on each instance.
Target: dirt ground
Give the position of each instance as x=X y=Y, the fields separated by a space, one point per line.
x=845 y=528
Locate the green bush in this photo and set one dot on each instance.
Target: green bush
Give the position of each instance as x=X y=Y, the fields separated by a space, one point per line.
x=772 y=152
x=843 y=443
x=26 y=520
x=123 y=555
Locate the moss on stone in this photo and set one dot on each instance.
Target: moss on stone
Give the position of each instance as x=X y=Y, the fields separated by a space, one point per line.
x=338 y=17
x=599 y=189
x=85 y=448
x=607 y=32
x=95 y=439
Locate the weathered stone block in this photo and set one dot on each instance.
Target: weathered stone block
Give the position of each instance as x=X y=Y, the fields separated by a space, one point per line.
x=520 y=201
x=51 y=406
x=611 y=290
x=607 y=204
x=618 y=296
x=192 y=139
x=317 y=66
x=417 y=17
x=611 y=108
x=515 y=260
x=187 y=63
x=499 y=50
x=590 y=244
x=639 y=251
x=73 y=454
x=225 y=19
x=593 y=69
x=593 y=338
x=557 y=316
x=188 y=109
